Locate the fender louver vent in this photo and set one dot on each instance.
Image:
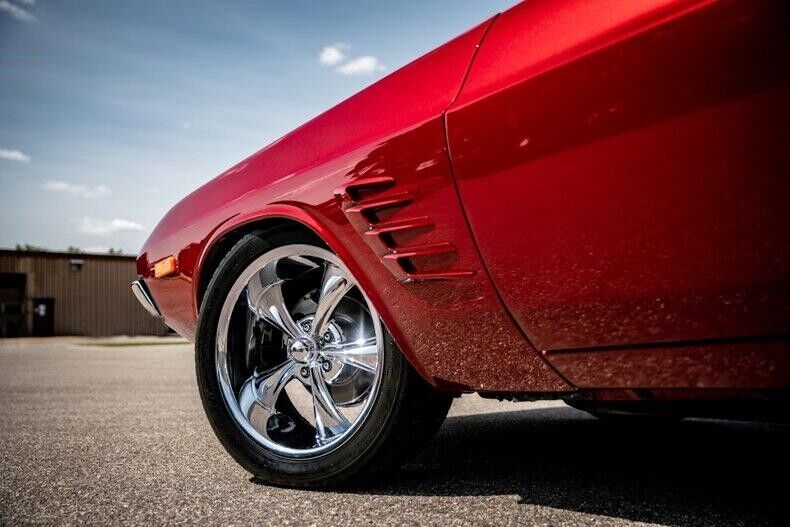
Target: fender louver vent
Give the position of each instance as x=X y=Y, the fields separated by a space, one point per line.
x=381 y=214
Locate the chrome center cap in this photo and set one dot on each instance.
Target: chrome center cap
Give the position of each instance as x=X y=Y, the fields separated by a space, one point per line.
x=302 y=350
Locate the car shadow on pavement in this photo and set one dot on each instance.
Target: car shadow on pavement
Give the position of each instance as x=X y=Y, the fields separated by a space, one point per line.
x=693 y=472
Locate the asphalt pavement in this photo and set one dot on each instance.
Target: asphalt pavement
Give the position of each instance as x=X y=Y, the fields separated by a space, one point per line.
x=93 y=434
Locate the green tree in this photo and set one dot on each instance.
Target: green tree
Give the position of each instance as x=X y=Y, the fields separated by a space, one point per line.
x=30 y=247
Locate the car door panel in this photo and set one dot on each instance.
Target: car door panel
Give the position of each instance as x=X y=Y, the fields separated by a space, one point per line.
x=624 y=168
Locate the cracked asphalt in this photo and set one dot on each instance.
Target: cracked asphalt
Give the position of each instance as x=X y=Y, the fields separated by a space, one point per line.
x=102 y=435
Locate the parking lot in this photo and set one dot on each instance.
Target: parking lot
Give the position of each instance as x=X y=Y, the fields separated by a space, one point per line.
x=102 y=432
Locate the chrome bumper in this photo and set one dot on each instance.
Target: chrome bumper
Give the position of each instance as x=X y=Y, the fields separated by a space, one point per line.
x=140 y=291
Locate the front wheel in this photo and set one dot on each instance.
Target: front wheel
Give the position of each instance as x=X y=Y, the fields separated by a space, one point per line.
x=299 y=378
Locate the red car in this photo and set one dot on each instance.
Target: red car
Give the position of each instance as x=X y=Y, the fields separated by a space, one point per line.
x=578 y=200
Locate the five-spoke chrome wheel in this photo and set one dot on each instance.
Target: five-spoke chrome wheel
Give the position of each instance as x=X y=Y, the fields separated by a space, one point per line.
x=299 y=352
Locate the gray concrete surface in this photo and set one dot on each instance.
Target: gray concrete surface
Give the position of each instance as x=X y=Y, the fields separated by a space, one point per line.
x=99 y=435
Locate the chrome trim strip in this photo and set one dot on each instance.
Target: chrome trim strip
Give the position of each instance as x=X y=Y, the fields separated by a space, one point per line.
x=144 y=297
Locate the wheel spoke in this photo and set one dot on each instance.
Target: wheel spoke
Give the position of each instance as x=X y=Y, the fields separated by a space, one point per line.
x=361 y=357
x=299 y=305
x=355 y=363
x=262 y=390
x=328 y=419
x=360 y=346
x=265 y=299
x=303 y=261
x=334 y=286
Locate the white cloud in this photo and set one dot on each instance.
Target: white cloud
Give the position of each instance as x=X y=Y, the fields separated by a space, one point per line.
x=17 y=12
x=98 y=226
x=335 y=56
x=26 y=2
x=361 y=66
x=82 y=191
x=14 y=155
x=332 y=55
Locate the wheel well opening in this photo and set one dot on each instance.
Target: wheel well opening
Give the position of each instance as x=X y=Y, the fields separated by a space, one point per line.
x=221 y=247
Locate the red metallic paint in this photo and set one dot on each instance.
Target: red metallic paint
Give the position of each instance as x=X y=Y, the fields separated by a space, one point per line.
x=759 y=364
x=626 y=177
x=622 y=168
x=436 y=323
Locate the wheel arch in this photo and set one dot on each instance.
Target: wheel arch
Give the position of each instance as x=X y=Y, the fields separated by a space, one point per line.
x=295 y=217
x=235 y=228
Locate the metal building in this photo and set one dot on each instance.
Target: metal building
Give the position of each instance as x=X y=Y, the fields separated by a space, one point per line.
x=51 y=293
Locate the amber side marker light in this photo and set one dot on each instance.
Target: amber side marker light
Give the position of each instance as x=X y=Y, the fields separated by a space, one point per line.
x=165 y=267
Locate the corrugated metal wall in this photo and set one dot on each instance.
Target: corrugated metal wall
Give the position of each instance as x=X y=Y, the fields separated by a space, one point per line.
x=93 y=301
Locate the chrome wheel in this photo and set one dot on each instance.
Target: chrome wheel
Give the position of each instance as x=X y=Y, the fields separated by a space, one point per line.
x=299 y=352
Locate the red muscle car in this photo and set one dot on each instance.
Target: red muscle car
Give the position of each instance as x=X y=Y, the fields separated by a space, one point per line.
x=577 y=200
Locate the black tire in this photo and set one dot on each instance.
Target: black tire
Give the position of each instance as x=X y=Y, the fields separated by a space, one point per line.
x=404 y=416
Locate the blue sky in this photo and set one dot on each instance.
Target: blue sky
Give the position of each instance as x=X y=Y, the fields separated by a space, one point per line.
x=110 y=112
